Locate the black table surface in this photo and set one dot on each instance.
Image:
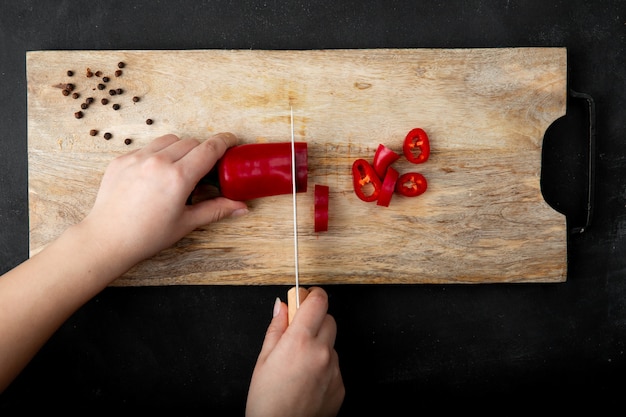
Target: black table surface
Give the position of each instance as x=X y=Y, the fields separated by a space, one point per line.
x=192 y=348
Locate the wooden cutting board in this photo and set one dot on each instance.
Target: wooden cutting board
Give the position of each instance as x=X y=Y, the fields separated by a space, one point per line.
x=482 y=220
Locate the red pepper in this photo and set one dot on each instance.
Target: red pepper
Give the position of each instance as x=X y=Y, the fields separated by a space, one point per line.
x=388 y=187
x=416 y=147
x=321 y=208
x=383 y=158
x=258 y=170
x=367 y=185
x=411 y=184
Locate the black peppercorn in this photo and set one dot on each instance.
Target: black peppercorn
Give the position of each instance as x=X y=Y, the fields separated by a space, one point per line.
x=89 y=100
x=93 y=132
x=105 y=79
x=116 y=106
x=104 y=101
x=128 y=141
x=120 y=64
x=78 y=114
x=75 y=95
x=69 y=87
x=98 y=73
x=112 y=92
x=89 y=74
x=119 y=91
x=149 y=122
x=108 y=136
x=101 y=86
x=65 y=92
x=118 y=73
x=70 y=73
x=135 y=99
x=84 y=106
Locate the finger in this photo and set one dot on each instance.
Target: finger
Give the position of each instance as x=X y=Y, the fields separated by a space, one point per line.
x=203 y=157
x=160 y=143
x=312 y=311
x=275 y=330
x=177 y=150
x=328 y=331
x=213 y=210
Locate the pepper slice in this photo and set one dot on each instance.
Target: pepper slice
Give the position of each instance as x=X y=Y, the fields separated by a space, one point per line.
x=411 y=184
x=258 y=170
x=389 y=185
x=367 y=185
x=383 y=158
x=321 y=208
x=416 y=147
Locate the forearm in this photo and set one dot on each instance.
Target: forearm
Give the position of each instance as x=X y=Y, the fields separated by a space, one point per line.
x=41 y=293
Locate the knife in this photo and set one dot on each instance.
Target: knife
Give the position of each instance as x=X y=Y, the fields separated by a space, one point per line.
x=296 y=294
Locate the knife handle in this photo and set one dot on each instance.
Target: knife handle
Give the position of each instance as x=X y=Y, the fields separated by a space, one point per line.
x=291 y=300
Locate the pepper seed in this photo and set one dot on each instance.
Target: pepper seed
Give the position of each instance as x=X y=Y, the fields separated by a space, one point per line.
x=135 y=99
x=84 y=106
x=112 y=92
x=101 y=86
x=69 y=87
x=116 y=106
x=89 y=100
x=89 y=74
x=128 y=141
x=78 y=114
x=118 y=73
x=104 y=101
x=108 y=136
x=65 y=92
x=149 y=121
x=119 y=91
x=70 y=73
x=98 y=73
x=105 y=79
x=120 y=64
x=75 y=95
x=93 y=132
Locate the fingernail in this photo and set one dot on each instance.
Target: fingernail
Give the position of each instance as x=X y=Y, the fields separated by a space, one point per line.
x=277 y=305
x=239 y=212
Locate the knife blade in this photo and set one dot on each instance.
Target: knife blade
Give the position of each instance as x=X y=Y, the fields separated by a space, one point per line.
x=296 y=294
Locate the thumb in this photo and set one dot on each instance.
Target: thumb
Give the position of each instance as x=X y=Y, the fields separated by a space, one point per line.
x=215 y=209
x=275 y=330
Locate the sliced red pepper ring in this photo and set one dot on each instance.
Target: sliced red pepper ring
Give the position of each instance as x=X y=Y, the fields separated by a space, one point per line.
x=416 y=147
x=366 y=183
x=388 y=187
x=411 y=184
x=383 y=158
x=321 y=208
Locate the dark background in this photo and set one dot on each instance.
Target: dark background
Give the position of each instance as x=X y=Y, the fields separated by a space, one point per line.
x=192 y=349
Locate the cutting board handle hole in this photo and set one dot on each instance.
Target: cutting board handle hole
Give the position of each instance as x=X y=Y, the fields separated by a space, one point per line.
x=568 y=162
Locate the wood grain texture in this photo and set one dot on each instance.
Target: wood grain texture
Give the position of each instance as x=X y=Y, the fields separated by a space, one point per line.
x=482 y=220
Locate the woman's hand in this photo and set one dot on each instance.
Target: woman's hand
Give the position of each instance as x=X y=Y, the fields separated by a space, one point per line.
x=140 y=208
x=297 y=373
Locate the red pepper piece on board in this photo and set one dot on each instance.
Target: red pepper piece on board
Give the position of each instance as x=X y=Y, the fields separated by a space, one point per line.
x=258 y=170
x=416 y=147
x=411 y=184
x=383 y=158
x=321 y=208
x=367 y=185
x=388 y=187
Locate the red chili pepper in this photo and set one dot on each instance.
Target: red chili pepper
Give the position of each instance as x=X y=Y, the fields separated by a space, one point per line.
x=383 y=158
x=416 y=147
x=367 y=185
x=321 y=208
x=411 y=184
x=389 y=185
x=258 y=170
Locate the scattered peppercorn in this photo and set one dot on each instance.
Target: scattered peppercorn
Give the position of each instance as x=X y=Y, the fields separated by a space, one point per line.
x=69 y=87
x=108 y=136
x=120 y=64
x=105 y=79
x=70 y=73
x=104 y=101
x=112 y=92
x=89 y=74
x=65 y=92
x=98 y=73
x=116 y=106
x=89 y=100
x=84 y=106
x=118 y=73
x=128 y=141
x=78 y=114
x=149 y=121
x=93 y=132
x=119 y=91
x=75 y=95
x=135 y=99
x=101 y=86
